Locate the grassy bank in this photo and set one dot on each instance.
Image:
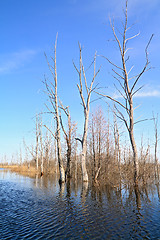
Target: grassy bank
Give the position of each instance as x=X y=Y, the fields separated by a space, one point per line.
x=27 y=170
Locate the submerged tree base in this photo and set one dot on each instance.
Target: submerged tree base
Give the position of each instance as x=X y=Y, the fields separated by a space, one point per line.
x=109 y=174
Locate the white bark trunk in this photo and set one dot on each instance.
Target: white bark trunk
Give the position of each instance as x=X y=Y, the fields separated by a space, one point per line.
x=62 y=174
x=61 y=169
x=133 y=144
x=84 y=170
x=84 y=147
x=58 y=137
x=85 y=105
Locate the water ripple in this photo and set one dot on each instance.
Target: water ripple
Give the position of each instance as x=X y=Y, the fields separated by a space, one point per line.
x=30 y=211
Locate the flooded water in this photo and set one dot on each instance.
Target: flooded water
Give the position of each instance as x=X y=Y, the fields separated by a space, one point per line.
x=40 y=209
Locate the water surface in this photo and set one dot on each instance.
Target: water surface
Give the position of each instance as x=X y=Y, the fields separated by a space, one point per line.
x=40 y=209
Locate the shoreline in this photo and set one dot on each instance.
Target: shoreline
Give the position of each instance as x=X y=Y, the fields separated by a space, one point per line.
x=25 y=170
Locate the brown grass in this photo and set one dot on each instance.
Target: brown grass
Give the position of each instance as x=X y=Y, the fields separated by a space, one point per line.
x=27 y=171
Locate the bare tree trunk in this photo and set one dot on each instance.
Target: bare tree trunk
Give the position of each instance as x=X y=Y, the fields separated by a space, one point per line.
x=42 y=163
x=155 y=147
x=55 y=155
x=84 y=147
x=47 y=149
x=75 y=160
x=58 y=137
x=68 y=138
x=133 y=144
x=37 y=140
x=60 y=162
x=53 y=97
x=135 y=157
x=68 y=169
x=42 y=157
x=86 y=108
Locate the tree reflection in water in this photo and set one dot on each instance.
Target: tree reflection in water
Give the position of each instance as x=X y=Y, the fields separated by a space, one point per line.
x=74 y=210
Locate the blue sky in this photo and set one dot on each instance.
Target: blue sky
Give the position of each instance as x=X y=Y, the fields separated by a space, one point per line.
x=28 y=29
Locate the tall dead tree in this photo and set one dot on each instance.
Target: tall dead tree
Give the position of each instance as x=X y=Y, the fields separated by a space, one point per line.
x=86 y=107
x=51 y=91
x=128 y=84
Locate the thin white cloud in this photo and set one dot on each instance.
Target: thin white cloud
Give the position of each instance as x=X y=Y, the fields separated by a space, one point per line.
x=10 y=62
x=141 y=94
x=152 y=93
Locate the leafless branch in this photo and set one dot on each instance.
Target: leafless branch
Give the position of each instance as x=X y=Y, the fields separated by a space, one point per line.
x=146 y=64
x=143 y=120
x=50 y=131
x=114 y=100
x=137 y=90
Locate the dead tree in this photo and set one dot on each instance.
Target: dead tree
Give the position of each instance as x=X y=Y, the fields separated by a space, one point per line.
x=68 y=138
x=51 y=91
x=86 y=107
x=156 y=146
x=38 y=133
x=41 y=149
x=128 y=85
